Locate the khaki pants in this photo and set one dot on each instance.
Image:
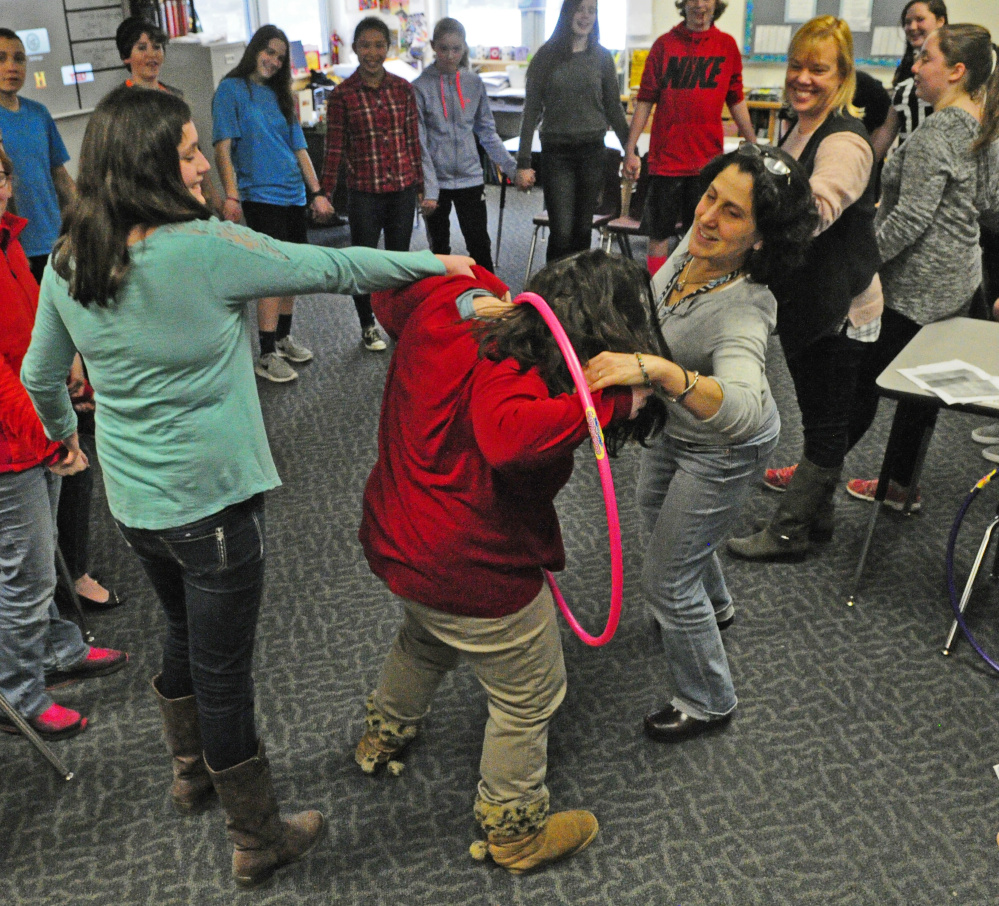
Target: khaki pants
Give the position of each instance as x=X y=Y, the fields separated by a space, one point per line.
x=517 y=659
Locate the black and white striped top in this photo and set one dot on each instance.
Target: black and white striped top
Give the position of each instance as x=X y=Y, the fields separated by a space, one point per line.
x=911 y=110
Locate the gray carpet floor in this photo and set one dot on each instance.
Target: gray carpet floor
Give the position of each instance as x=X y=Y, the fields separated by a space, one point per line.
x=858 y=769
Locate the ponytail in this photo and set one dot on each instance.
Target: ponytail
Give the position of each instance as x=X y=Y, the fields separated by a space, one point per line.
x=989 y=131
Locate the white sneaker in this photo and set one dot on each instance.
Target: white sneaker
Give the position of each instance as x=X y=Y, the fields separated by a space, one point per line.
x=289 y=348
x=373 y=339
x=274 y=368
x=991 y=453
x=987 y=434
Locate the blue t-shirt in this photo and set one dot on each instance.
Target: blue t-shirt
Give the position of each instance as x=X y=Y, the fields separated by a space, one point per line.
x=263 y=142
x=31 y=139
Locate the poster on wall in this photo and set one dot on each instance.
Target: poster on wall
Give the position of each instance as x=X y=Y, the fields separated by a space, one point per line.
x=413 y=35
x=364 y=5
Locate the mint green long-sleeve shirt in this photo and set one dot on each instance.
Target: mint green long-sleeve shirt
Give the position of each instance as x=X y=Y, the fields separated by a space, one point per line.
x=179 y=428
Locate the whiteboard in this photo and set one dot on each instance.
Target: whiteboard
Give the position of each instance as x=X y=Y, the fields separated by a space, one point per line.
x=72 y=58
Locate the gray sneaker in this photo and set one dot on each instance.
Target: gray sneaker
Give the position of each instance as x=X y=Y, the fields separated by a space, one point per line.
x=373 y=339
x=986 y=434
x=991 y=453
x=274 y=368
x=289 y=348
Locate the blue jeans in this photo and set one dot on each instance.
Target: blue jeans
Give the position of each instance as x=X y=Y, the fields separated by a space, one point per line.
x=690 y=496
x=371 y=213
x=209 y=577
x=33 y=638
x=573 y=176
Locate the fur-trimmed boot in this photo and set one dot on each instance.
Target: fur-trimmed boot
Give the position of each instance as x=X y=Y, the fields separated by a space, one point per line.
x=192 y=787
x=521 y=837
x=805 y=514
x=383 y=739
x=262 y=841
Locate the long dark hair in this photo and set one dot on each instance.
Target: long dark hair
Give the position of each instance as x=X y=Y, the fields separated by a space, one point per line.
x=604 y=303
x=904 y=71
x=560 y=43
x=280 y=82
x=972 y=46
x=783 y=208
x=129 y=176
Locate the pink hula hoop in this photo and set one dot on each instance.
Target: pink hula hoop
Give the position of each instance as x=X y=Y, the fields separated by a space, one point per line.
x=606 y=481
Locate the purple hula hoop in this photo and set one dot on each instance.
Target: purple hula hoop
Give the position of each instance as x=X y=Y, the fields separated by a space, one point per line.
x=606 y=481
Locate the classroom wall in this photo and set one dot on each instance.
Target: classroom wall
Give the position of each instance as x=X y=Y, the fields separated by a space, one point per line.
x=344 y=15
x=733 y=21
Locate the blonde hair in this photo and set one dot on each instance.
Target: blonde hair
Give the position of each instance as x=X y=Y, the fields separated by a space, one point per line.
x=829 y=28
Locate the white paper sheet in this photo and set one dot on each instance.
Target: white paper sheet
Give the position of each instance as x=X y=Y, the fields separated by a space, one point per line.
x=799 y=10
x=955 y=382
x=888 y=41
x=771 y=39
x=857 y=13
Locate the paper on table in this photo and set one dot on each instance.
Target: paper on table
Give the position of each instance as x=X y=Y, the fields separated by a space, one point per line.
x=955 y=382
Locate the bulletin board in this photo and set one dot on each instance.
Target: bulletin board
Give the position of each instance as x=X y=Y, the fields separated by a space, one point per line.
x=878 y=39
x=72 y=58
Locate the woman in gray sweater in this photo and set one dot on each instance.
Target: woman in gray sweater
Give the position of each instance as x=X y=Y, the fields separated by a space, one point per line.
x=716 y=313
x=572 y=89
x=933 y=190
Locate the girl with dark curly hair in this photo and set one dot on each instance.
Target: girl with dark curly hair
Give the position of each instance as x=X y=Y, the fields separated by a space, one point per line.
x=716 y=313
x=477 y=434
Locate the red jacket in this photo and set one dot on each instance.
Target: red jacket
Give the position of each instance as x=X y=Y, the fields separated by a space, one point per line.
x=689 y=76
x=458 y=510
x=23 y=443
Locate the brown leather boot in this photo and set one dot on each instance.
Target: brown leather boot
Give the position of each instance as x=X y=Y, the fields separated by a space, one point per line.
x=262 y=841
x=383 y=739
x=192 y=787
x=522 y=837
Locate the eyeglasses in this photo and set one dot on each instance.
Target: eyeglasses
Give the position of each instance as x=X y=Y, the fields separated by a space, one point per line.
x=771 y=161
x=5 y=178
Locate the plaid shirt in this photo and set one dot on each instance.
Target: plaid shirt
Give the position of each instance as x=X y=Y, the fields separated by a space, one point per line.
x=377 y=131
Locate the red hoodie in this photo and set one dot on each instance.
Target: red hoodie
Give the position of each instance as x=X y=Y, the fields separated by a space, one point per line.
x=689 y=76
x=458 y=510
x=23 y=443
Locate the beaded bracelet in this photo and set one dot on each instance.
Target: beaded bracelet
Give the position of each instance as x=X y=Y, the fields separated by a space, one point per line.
x=689 y=386
x=645 y=374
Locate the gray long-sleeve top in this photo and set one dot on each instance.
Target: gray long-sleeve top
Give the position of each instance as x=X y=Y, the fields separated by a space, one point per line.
x=933 y=190
x=576 y=99
x=722 y=334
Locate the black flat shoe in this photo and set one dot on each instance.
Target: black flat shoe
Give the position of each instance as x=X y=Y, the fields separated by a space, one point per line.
x=111 y=603
x=671 y=725
x=64 y=601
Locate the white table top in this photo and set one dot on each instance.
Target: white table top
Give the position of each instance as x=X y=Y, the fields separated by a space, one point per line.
x=973 y=341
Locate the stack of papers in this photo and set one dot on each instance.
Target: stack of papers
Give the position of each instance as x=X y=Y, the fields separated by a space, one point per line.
x=955 y=382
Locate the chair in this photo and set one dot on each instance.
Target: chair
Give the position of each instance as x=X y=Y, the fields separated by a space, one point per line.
x=608 y=204
x=628 y=223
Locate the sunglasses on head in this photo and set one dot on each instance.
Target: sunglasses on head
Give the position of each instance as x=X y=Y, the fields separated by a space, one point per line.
x=771 y=160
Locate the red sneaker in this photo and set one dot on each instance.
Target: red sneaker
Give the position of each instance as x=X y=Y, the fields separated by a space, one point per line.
x=56 y=722
x=779 y=479
x=98 y=662
x=865 y=489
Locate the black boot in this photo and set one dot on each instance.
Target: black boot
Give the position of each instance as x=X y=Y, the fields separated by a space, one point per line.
x=805 y=514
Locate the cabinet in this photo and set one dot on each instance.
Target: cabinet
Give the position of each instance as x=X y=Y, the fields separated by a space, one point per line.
x=197 y=69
